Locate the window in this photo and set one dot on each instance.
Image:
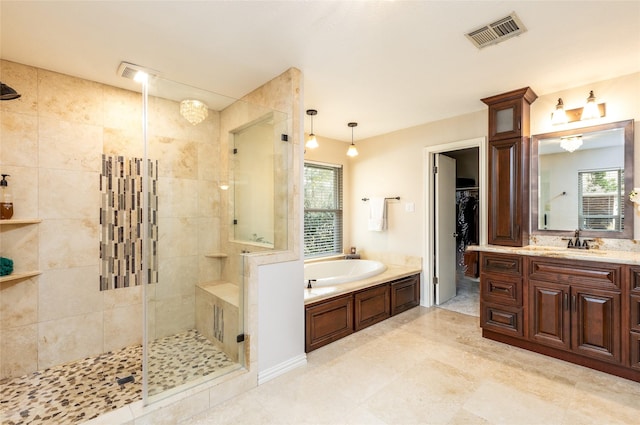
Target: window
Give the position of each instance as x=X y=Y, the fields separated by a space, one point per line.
x=322 y=210
x=600 y=195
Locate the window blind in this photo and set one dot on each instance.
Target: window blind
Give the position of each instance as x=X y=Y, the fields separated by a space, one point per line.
x=322 y=210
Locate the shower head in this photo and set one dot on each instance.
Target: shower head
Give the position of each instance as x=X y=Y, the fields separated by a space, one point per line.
x=7 y=93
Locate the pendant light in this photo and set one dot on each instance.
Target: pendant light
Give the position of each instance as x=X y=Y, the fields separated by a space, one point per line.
x=352 y=151
x=312 y=142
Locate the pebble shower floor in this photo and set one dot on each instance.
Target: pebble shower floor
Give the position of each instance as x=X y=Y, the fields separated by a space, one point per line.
x=76 y=392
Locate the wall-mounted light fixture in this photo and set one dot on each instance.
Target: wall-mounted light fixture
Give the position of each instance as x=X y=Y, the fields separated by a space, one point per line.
x=571 y=143
x=591 y=110
x=312 y=142
x=559 y=116
x=7 y=93
x=194 y=111
x=352 y=151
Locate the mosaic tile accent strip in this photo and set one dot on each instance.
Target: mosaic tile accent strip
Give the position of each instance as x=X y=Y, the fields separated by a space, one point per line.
x=121 y=221
x=76 y=392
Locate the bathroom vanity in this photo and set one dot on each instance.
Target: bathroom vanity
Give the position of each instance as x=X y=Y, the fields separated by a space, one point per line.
x=581 y=306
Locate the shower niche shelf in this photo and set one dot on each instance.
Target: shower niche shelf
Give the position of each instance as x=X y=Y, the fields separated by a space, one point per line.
x=26 y=274
x=18 y=276
x=21 y=221
x=216 y=255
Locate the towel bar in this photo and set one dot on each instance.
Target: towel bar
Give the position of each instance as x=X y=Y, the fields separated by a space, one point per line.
x=397 y=198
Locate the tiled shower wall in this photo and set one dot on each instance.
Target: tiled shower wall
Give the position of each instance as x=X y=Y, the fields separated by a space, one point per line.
x=51 y=143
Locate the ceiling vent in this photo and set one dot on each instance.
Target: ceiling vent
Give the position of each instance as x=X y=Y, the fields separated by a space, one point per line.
x=129 y=70
x=497 y=31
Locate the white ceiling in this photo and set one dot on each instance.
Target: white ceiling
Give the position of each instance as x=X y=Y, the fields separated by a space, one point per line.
x=386 y=64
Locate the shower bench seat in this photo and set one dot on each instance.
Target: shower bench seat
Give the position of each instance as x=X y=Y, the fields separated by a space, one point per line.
x=217 y=309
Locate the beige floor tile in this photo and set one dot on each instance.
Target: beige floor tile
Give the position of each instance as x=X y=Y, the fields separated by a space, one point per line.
x=432 y=366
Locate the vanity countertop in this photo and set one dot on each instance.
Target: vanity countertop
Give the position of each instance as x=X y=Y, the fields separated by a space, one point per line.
x=602 y=255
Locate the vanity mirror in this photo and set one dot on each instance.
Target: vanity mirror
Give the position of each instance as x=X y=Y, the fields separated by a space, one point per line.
x=580 y=179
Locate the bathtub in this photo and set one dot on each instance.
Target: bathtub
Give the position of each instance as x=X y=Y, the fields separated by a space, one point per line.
x=329 y=273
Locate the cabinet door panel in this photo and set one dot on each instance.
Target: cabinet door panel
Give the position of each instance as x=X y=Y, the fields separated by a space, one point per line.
x=505 y=120
x=634 y=312
x=635 y=350
x=507 y=205
x=405 y=294
x=328 y=322
x=550 y=321
x=372 y=306
x=596 y=323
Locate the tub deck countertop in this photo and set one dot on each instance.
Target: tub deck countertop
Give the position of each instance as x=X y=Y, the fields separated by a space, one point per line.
x=393 y=272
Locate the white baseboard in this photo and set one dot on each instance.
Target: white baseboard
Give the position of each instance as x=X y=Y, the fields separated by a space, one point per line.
x=282 y=368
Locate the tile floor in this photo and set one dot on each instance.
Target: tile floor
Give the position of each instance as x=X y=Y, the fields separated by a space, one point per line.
x=467 y=299
x=76 y=392
x=431 y=366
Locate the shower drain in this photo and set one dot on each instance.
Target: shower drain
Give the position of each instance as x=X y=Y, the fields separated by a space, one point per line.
x=125 y=380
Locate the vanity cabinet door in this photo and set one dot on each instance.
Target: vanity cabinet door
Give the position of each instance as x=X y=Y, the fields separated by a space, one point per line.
x=596 y=323
x=634 y=342
x=508 y=192
x=550 y=320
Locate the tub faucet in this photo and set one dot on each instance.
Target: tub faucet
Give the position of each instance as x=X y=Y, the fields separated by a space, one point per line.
x=309 y=283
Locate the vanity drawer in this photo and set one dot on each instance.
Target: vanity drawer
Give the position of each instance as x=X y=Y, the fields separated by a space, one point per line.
x=503 y=319
x=501 y=263
x=586 y=273
x=501 y=289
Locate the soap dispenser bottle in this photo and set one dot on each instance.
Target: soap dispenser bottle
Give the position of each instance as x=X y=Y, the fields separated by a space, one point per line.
x=6 y=199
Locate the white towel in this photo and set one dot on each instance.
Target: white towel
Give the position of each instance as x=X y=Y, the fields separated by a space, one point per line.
x=377 y=214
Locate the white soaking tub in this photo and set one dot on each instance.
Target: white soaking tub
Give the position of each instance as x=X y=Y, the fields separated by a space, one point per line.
x=331 y=273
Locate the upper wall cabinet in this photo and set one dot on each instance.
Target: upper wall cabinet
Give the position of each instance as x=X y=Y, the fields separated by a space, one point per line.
x=509 y=167
x=509 y=114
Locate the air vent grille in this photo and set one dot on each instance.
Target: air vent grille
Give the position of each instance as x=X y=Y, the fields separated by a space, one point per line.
x=496 y=32
x=129 y=70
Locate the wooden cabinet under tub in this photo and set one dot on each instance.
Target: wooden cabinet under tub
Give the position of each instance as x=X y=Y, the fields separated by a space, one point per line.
x=330 y=319
x=584 y=312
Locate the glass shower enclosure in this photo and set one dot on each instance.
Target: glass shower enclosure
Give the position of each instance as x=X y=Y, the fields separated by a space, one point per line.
x=216 y=185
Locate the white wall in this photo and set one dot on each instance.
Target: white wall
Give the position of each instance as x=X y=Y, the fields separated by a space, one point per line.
x=280 y=328
x=391 y=164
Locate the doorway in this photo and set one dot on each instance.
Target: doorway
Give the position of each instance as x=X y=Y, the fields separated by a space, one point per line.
x=465 y=294
x=455 y=218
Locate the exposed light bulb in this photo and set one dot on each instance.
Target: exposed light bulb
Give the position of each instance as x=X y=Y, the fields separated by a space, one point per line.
x=352 y=151
x=312 y=142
